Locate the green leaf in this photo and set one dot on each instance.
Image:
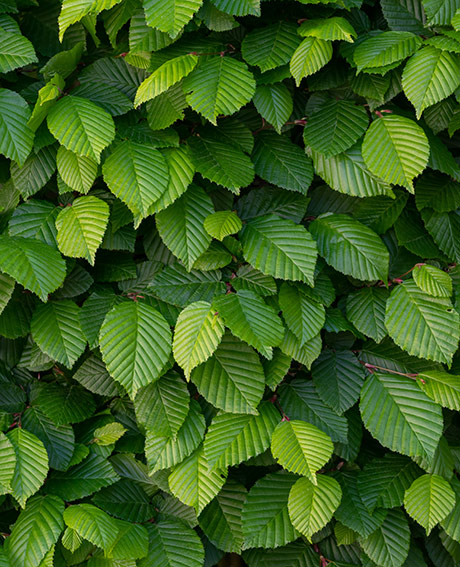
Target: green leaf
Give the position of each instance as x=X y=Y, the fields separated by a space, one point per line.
x=65 y=403
x=170 y=16
x=31 y=464
x=385 y=49
x=137 y=174
x=439 y=11
x=181 y=225
x=59 y=440
x=221 y=163
x=434 y=331
x=194 y=483
x=366 y=310
x=81 y=227
x=250 y=319
x=311 y=506
x=220 y=85
x=304 y=316
x=247 y=278
x=7 y=463
x=221 y=519
x=349 y=165
x=7 y=286
x=338 y=377
x=73 y=11
x=232 y=439
x=92 y=524
x=222 y=224
x=172 y=543
x=108 y=434
x=429 y=500
x=335 y=126
x=83 y=479
x=135 y=342
x=232 y=379
x=389 y=544
x=331 y=29
x=165 y=77
x=56 y=330
x=175 y=285
x=444 y=228
x=81 y=126
x=265 y=515
x=289 y=250
x=274 y=103
x=199 y=330
x=15 y=51
x=36 y=530
x=351 y=247
x=279 y=161
x=383 y=481
x=162 y=407
x=131 y=543
x=441 y=387
x=432 y=280
x=396 y=149
x=36 y=171
x=16 y=138
x=430 y=75
x=399 y=415
x=164 y=452
x=301 y=448
x=311 y=55
x=78 y=172
x=271 y=46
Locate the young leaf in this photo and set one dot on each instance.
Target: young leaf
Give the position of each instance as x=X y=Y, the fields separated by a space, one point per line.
x=311 y=55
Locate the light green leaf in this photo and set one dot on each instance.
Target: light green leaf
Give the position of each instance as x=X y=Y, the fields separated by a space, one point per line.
x=15 y=51
x=305 y=353
x=81 y=227
x=92 y=524
x=265 y=515
x=330 y=29
x=238 y=7
x=56 y=329
x=36 y=530
x=222 y=224
x=109 y=433
x=31 y=464
x=163 y=78
x=162 y=407
x=170 y=16
x=335 y=126
x=135 y=342
x=220 y=85
x=385 y=49
x=194 y=483
x=16 y=138
x=232 y=379
x=232 y=439
x=7 y=464
x=137 y=174
x=432 y=280
x=304 y=316
x=78 y=172
x=301 y=448
x=289 y=250
x=351 y=247
x=198 y=331
x=250 y=319
x=441 y=387
x=181 y=225
x=270 y=46
x=311 y=55
x=311 y=506
x=434 y=325
x=366 y=310
x=396 y=149
x=81 y=126
x=399 y=415
x=429 y=76
x=429 y=500
x=73 y=11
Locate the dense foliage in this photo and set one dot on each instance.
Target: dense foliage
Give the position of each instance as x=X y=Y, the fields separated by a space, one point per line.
x=229 y=291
